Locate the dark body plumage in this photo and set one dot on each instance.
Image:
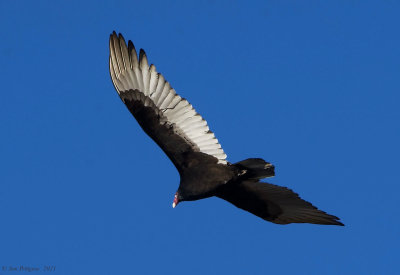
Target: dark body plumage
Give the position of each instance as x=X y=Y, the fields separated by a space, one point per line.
x=186 y=139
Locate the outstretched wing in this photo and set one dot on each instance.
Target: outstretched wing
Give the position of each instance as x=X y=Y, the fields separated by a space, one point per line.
x=165 y=116
x=274 y=203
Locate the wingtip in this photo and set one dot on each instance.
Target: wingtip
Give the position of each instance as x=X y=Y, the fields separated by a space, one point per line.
x=116 y=36
x=142 y=54
x=336 y=221
x=113 y=38
x=333 y=221
x=121 y=37
x=144 y=63
x=339 y=223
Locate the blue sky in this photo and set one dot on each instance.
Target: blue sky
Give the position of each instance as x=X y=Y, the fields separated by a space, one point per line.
x=312 y=87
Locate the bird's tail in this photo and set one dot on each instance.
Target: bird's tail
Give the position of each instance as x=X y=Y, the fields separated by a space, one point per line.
x=255 y=168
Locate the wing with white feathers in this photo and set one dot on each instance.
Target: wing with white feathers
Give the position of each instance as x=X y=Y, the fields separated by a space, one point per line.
x=165 y=116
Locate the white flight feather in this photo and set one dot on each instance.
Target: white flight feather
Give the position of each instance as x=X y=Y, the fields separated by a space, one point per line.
x=129 y=73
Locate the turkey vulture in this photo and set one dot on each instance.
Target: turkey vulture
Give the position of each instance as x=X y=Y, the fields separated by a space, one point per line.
x=172 y=122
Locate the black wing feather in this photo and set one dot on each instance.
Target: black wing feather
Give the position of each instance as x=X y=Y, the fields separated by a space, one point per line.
x=152 y=121
x=274 y=203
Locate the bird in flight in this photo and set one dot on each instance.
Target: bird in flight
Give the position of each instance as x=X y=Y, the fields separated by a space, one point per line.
x=172 y=122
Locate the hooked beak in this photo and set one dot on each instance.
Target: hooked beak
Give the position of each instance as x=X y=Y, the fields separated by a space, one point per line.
x=176 y=200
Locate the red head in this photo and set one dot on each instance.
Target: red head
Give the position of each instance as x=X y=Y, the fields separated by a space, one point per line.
x=176 y=200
